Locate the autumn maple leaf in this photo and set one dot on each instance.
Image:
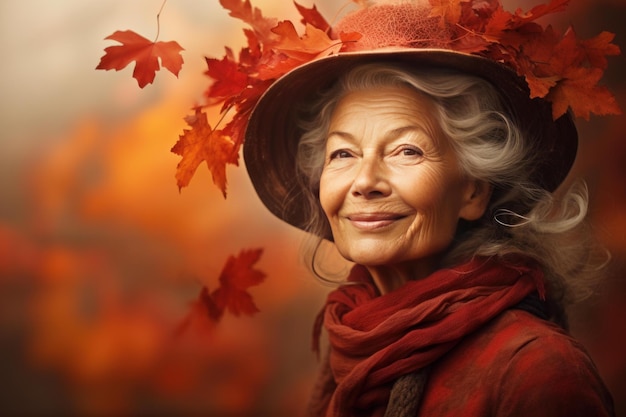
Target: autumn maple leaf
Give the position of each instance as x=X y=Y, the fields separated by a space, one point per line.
x=313 y=17
x=202 y=143
x=598 y=48
x=273 y=49
x=244 y=11
x=235 y=279
x=575 y=67
x=313 y=43
x=229 y=81
x=580 y=92
x=203 y=315
x=144 y=52
x=448 y=10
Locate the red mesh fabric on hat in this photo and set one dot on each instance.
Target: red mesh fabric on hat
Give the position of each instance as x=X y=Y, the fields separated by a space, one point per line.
x=405 y=24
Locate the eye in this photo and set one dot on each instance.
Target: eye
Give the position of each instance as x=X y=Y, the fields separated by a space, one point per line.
x=340 y=153
x=411 y=151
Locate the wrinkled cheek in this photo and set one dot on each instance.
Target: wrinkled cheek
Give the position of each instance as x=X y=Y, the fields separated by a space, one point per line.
x=431 y=233
x=330 y=199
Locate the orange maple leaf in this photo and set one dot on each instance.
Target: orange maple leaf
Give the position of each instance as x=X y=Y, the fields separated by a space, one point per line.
x=304 y=48
x=244 y=11
x=235 y=279
x=448 y=10
x=144 y=52
x=202 y=143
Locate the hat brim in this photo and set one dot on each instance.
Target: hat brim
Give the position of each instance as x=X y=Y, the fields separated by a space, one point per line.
x=272 y=134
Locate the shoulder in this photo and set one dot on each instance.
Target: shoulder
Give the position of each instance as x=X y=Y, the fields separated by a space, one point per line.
x=541 y=369
x=520 y=365
x=521 y=337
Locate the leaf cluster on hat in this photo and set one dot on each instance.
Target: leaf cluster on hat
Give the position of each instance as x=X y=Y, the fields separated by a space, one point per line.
x=537 y=69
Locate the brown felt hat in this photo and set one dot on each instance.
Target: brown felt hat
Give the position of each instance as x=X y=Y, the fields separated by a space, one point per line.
x=272 y=134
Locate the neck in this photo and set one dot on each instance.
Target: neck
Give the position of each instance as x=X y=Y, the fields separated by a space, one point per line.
x=391 y=277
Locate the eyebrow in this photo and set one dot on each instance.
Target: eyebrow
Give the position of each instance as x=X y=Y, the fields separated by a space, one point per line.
x=390 y=135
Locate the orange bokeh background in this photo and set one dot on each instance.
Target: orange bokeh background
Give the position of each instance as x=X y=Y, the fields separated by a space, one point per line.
x=101 y=257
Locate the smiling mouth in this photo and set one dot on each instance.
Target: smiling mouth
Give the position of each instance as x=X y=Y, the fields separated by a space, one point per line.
x=373 y=221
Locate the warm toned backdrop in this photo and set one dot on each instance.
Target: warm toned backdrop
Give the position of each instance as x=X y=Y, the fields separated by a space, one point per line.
x=101 y=256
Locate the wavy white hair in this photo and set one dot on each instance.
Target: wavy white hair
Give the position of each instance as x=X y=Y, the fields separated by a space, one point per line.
x=522 y=218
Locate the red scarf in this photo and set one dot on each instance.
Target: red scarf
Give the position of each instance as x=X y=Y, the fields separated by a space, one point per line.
x=376 y=339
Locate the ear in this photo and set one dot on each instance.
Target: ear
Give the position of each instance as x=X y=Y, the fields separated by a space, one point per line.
x=476 y=196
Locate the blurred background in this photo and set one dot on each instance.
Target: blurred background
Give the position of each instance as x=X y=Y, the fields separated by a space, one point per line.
x=101 y=257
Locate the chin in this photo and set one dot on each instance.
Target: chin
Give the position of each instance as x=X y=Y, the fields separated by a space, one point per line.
x=371 y=257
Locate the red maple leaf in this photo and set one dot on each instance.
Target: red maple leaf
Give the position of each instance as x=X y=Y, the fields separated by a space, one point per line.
x=203 y=315
x=579 y=91
x=250 y=55
x=598 y=48
x=144 y=52
x=576 y=67
x=202 y=143
x=237 y=276
x=229 y=80
x=313 y=17
x=245 y=102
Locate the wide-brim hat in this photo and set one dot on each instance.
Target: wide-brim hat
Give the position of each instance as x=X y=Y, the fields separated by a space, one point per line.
x=273 y=134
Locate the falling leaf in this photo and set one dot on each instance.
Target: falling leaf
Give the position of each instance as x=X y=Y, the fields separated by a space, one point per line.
x=202 y=315
x=202 y=143
x=236 y=277
x=144 y=52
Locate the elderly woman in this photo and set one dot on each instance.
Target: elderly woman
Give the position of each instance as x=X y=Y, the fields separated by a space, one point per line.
x=433 y=171
x=463 y=260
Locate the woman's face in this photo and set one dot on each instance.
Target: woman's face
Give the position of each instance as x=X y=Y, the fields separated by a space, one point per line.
x=391 y=186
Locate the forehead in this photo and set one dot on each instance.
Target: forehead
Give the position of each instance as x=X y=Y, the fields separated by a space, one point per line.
x=392 y=107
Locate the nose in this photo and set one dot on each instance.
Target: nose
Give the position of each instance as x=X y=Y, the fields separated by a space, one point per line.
x=371 y=179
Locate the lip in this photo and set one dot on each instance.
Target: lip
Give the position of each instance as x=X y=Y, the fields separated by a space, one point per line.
x=373 y=221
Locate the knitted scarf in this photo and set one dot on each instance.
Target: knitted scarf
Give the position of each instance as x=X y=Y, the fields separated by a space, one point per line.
x=375 y=340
